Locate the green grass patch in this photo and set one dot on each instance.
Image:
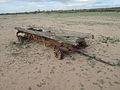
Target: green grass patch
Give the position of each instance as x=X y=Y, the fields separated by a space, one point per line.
x=105 y=39
x=73 y=58
x=118 y=62
x=21 y=44
x=89 y=23
x=77 y=14
x=82 y=89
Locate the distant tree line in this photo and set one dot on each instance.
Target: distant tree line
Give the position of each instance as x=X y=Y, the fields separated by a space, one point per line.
x=115 y=9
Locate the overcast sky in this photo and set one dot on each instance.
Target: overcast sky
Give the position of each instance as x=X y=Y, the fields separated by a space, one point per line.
x=10 y=6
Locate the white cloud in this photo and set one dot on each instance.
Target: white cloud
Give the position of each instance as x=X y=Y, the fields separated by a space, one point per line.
x=45 y=0
x=5 y=0
x=116 y=3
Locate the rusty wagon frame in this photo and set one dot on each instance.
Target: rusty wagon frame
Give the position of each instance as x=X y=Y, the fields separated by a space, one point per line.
x=60 y=47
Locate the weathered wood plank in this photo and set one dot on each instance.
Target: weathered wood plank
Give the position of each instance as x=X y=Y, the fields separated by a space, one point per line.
x=62 y=36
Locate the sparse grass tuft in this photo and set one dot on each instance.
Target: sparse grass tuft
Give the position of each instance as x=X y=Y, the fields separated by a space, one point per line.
x=73 y=58
x=118 y=62
x=20 y=44
x=89 y=58
x=105 y=39
x=82 y=89
x=98 y=71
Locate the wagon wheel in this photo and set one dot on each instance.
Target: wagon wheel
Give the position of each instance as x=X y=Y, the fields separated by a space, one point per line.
x=59 y=53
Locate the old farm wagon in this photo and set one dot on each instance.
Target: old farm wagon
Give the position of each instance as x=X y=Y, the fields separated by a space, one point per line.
x=63 y=41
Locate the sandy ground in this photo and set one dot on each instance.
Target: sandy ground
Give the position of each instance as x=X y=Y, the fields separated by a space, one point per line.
x=34 y=67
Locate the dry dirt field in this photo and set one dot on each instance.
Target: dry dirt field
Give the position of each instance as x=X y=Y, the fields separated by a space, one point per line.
x=33 y=66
